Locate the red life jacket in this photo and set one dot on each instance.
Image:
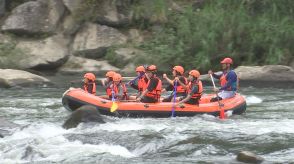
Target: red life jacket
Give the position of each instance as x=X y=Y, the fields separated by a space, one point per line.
x=181 y=89
x=93 y=89
x=155 y=93
x=200 y=89
x=142 y=84
x=116 y=90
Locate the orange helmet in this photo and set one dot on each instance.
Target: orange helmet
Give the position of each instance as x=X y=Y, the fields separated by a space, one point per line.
x=117 y=77
x=110 y=74
x=227 y=61
x=90 y=76
x=151 y=68
x=140 y=69
x=194 y=73
x=179 y=69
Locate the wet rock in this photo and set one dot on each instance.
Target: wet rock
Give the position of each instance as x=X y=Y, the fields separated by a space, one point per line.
x=79 y=64
x=85 y=113
x=12 y=78
x=1 y=136
x=93 y=40
x=35 y=17
x=249 y=157
x=46 y=54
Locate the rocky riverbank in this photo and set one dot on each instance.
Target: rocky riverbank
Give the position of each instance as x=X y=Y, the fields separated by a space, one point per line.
x=74 y=36
x=260 y=76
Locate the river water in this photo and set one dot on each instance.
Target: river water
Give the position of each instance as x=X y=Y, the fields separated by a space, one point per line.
x=265 y=129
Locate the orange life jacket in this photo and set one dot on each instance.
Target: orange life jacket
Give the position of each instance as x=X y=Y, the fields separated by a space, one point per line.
x=155 y=93
x=109 y=88
x=181 y=89
x=200 y=89
x=116 y=90
x=223 y=81
x=93 y=89
x=142 y=84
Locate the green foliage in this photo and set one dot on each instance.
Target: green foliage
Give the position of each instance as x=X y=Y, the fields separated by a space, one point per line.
x=251 y=31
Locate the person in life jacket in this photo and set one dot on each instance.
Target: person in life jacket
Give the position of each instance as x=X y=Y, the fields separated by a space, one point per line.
x=153 y=91
x=178 y=72
x=118 y=89
x=194 y=89
x=228 y=81
x=89 y=83
x=108 y=81
x=140 y=82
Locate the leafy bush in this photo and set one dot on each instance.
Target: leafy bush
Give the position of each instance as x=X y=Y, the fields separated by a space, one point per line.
x=251 y=31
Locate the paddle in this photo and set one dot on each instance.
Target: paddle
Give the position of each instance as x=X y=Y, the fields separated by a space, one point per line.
x=114 y=105
x=132 y=81
x=174 y=99
x=222 y=112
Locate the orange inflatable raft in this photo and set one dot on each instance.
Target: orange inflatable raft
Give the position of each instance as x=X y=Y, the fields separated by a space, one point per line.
x=75 y=98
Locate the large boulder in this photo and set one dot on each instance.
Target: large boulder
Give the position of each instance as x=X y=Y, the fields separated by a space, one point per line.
x=93 y=40
x=44 y=54
x=86 y=113
x=135 y=36
x=113 y=14
x=11 y=78
x=122 y=56
x=73 y=5
x=269 y=73
x=35 y=17
x=249 y=157
x=79 y=64
x=70 y=26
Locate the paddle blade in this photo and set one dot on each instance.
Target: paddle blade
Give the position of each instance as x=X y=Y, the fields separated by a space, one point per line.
x=222 y=114
x=114 y=107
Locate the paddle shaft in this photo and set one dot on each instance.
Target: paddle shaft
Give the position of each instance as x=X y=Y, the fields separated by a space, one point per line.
x=174 y=98
x=222 y=115
x=129 y=83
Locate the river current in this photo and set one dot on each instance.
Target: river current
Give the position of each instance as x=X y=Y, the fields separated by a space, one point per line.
x=266 y=129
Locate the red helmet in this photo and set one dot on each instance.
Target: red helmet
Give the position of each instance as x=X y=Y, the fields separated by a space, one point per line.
x=151 y=68
x=117 y=77
x=194 y=73
x=90 y=76
x=179 y=69
x=110 y=74
x=140 y=69
x=227 y=61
